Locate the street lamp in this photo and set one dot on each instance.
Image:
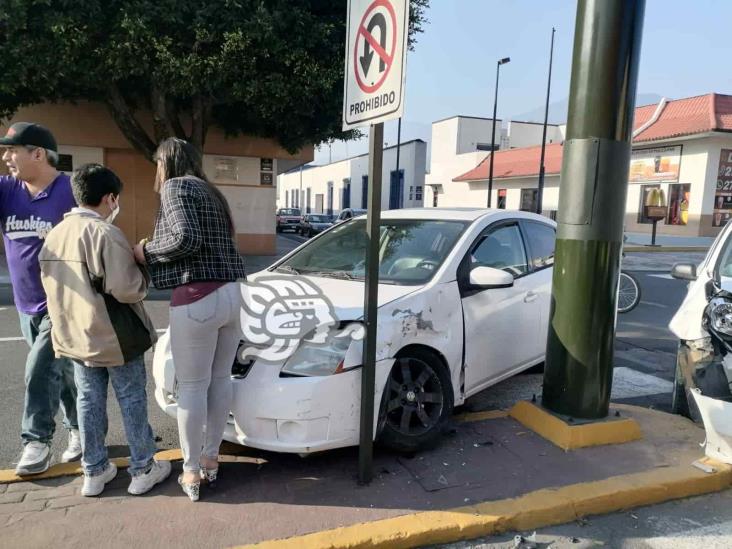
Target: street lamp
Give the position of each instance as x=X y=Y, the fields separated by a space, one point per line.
x=493 y=136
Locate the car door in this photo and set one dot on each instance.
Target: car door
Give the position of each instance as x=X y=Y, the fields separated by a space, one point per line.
x=540 y=239
x=498 y=321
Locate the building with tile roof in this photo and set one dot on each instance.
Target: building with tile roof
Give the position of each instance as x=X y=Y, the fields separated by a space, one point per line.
x=683 y=147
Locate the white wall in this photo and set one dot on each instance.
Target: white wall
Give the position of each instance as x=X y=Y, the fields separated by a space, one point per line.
x=526 y=134
x=239 y=179
x=471 y=131
x=412 y=159
x=82 y=155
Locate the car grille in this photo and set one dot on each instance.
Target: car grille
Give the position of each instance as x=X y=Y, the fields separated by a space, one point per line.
x=240 y=369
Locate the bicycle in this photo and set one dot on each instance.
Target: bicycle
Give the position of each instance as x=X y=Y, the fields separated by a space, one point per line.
x=629 y=292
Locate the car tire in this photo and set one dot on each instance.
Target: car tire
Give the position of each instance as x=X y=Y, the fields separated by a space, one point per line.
x=279 y=229
x=404 y=392
x=310 y=233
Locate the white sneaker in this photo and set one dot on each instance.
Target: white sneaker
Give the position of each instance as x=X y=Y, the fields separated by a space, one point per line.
x=73 y=450
x=93 y=486
x=140 y=484
x=35 y=459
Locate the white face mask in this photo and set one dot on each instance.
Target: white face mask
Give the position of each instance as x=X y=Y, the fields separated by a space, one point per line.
x=115 y=211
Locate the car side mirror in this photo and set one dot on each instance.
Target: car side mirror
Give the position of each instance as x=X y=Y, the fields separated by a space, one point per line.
x=684 y=271
x=488 y=277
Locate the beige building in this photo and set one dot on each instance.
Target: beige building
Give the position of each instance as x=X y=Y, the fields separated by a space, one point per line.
x=244 y=168
x=683 y=147
x=344 y=184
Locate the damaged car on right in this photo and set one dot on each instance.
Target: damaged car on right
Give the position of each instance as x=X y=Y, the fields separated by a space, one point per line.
x=703 y=324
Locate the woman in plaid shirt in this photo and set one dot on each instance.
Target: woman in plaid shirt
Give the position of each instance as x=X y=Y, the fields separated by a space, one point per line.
x=193 y=251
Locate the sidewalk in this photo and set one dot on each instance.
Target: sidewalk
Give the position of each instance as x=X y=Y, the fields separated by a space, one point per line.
x=462 y=489
x=643 y=239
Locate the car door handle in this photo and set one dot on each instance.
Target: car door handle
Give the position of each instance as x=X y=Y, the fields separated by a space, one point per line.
x=530 y=296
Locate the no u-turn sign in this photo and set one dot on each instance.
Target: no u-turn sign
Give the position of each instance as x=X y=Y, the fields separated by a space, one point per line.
x=376 y=50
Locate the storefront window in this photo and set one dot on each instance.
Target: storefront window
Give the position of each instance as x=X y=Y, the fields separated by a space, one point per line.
x=645 y=190
x=678 y=204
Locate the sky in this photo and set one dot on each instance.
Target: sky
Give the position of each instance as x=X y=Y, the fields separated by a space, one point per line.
x=686 y=51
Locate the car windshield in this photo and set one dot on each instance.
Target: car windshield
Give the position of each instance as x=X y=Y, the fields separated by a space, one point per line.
x=289 y=211
x=319 y=218
x=410 y=251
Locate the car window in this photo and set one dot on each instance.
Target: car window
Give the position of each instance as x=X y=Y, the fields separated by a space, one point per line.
x=289 y=211
x=410 y=251
x=541 y=243
x=501 y=248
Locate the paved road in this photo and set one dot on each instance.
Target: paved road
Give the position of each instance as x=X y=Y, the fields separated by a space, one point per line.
x=645 y=360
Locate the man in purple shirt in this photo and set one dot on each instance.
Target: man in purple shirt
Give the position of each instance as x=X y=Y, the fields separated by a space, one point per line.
x=33 y=199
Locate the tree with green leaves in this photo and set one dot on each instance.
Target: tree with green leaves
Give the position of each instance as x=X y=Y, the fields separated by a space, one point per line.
x=270 y=68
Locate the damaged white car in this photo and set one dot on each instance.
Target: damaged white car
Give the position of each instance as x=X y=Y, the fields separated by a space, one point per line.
x=703 y=324
x=463 y=303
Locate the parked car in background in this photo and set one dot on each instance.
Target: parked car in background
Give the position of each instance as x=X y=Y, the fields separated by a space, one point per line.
x=349 y=213
x=288 y=219
x=463 y=304
x=312 y=224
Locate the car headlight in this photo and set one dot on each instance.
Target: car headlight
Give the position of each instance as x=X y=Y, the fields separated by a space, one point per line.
x=339 y=353
x=720 y=316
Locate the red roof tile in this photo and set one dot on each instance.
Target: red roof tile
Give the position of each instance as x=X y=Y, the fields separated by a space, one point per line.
x=693 y=115
x=517 y=163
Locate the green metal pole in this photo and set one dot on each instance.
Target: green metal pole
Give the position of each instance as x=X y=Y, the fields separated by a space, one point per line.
x=371 y=300
x=578 y=373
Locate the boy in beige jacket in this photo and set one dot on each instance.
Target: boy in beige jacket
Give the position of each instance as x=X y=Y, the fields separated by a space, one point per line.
x=95 y=291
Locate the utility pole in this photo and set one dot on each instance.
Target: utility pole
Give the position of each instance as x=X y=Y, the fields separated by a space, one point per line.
x=578 y=373
x=493 y=134
x=371 y=299
x=540 y=199
x=399 y=179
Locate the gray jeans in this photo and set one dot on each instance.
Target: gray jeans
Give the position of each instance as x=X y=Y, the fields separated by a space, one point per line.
x=204 y=338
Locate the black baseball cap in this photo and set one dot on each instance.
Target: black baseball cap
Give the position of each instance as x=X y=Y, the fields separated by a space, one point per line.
x=27 y=133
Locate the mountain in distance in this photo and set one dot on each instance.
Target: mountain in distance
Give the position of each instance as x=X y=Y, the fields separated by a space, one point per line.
x=558 y=109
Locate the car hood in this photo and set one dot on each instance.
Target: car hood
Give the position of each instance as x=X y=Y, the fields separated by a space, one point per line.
x=346 y=296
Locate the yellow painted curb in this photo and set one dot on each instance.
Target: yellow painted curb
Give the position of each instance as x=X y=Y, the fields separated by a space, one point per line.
x=481 y=416
x=8 y=476
x=570 y=437
x=533 y=510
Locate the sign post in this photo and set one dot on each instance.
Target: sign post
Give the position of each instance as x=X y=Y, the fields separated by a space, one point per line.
x=373 y=92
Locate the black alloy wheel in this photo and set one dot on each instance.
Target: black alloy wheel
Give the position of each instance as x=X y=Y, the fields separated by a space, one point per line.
x=417 y=403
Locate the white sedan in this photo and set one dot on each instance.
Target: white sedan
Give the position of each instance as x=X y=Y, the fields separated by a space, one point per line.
x=464 y=299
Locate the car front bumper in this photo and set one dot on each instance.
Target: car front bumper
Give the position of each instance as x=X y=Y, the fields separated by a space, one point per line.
x=291 y=414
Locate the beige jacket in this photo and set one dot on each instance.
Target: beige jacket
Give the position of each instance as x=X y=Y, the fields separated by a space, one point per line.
x=95 y=291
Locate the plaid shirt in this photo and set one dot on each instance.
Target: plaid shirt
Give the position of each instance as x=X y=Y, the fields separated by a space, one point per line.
x=192 y=241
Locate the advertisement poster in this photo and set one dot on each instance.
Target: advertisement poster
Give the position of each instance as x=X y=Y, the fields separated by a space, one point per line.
x=723 y=196
x=655 y=164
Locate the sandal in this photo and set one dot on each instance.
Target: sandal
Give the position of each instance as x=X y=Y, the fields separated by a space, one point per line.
x=191 y=489
x=209 y=475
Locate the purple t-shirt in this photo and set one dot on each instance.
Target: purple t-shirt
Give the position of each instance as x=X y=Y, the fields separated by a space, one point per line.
x=25 y=222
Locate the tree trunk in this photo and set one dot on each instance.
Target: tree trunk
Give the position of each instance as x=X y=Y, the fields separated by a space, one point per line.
x=200 y=118
x=162 y=125
x=130 y=127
